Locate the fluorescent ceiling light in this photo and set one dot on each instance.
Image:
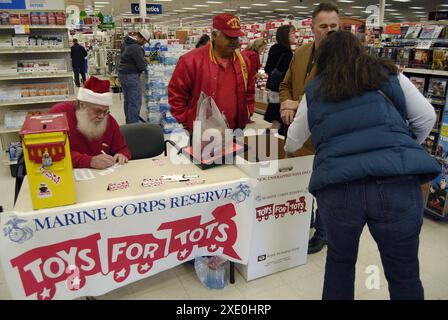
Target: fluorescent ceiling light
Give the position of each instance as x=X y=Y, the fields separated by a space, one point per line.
x=302 y=12
x=281 y=9
x=98 y=6
x=348 y=13
x=217 y=11
x=190 y=8
x=300 y=7
x=390 y=10
x=214 y=2
x=279 y=1
x=402 y=0
x=417 y=8
x=245 y=7
x=229 y=10
x=177 y=10
x=345 y=1
x=357 y=7
x=100 y=2
x=420 y=12
x=266 y=11
x=201 y=5
x=260 y=4
x=251 y=13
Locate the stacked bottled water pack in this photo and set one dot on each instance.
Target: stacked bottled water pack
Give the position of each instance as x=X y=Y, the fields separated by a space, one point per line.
x=156 y=92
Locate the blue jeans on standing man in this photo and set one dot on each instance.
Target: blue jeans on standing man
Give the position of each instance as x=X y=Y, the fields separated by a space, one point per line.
x=132 y=92
x=393 y=210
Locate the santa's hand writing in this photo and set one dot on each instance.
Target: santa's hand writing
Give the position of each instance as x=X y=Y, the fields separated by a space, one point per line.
x=102 y=161
x=120 y=159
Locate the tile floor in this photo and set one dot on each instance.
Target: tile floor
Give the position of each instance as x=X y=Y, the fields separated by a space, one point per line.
x=303 y=282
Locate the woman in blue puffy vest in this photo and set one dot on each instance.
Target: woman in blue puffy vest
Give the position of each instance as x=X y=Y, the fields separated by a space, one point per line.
x=367 y=122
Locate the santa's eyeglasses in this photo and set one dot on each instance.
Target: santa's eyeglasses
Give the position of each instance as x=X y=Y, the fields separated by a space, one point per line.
x=100 y=112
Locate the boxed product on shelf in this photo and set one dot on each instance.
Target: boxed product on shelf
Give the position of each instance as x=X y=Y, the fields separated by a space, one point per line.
x=440 y=59
x=403 y=56
x=430 y=32
x=437 y=87
x=413 y=32
x=390 y=53
x=10 y=93
x=15 y=119
x=34 y=16
x=430 y=143
x=50 y=65
x=14 y=19
x=24 y=18
x=4 y=18
x=20 y=41
x=422 y=58
x=419 y=82
x=43 y=18
x=15 y=151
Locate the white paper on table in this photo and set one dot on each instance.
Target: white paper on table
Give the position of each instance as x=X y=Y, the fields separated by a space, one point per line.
x=106 y=172
x=83 y=174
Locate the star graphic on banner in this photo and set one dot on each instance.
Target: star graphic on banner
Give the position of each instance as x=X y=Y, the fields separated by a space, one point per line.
x=145 y=267
x=213 y=247
x=45 y=293
x=183 y=253
x=121 y=274
x=76 y=281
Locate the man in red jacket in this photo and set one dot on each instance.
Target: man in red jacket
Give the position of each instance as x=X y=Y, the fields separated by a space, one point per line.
x=95 y=137
x=220 y=71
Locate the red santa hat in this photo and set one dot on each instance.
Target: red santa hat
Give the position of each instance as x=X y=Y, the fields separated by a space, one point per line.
x=96 y=91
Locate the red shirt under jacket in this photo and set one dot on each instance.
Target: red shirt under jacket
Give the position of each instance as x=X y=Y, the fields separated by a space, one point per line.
x=82 y=150
x=198 y=71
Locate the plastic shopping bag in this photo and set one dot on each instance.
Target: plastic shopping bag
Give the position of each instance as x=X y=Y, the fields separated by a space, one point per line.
x=211 y=271
x=210 y=123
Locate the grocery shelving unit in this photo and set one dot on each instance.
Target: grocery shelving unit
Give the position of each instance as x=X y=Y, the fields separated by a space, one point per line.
x=15 y=79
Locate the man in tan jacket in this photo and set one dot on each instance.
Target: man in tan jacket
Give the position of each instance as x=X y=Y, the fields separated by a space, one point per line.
x=301 y=70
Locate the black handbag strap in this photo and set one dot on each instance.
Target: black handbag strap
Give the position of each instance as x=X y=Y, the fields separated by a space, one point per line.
x=279 y=60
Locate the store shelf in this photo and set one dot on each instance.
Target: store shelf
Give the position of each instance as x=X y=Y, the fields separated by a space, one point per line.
x=36 y=27
x=27 y=50
x=35 y=101
x=427 y=71
x=6 y=130
x=38 y=76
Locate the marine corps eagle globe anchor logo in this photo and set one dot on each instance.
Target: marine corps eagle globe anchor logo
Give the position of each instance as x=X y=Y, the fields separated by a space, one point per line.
x=242 y=193
x=15 y=232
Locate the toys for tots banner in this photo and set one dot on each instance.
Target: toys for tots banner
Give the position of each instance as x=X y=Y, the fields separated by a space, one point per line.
x=89 y=250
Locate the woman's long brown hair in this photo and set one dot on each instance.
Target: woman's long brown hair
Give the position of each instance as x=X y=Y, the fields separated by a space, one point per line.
x=347 y=70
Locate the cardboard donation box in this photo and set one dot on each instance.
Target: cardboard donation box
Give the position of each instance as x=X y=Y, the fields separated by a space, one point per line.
x=46 y=150
x=283 y=206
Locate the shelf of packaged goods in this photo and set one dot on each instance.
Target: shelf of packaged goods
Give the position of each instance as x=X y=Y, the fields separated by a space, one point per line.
x=427 y=71
x=38 y=76
x=28 y=50
x=37 y=27
x=35 y=101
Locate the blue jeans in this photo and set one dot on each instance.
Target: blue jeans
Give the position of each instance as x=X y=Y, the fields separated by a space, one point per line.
x=393 y=210
x=132 y=92
x=319 y=227
x=79 y=70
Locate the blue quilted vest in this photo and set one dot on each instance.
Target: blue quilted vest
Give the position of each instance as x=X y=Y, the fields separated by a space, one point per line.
x=364 y=136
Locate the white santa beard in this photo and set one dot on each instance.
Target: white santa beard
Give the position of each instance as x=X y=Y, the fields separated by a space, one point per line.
x=90 y=129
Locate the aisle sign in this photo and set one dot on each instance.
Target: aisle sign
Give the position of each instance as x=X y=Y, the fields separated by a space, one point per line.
x=45 y=4
x=12 y=4
x=150 y=8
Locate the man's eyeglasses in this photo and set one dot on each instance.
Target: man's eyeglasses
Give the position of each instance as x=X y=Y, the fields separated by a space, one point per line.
x=100 y=112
